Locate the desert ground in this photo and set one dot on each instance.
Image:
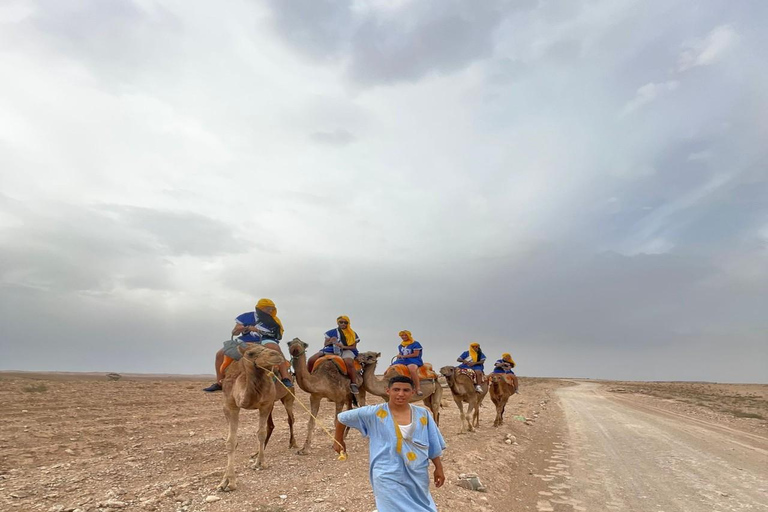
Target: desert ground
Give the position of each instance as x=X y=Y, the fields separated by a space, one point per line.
x=80 y=442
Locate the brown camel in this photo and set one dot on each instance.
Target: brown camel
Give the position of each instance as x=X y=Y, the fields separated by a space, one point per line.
x=501 y=389
x=431 y=389
x=325 y=382
x=248 y=385
x=463 y=390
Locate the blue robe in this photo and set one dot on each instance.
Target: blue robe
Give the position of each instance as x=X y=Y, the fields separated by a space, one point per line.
x=400 y=481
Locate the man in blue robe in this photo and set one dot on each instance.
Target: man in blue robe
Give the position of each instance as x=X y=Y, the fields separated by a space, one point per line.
x=403 y=438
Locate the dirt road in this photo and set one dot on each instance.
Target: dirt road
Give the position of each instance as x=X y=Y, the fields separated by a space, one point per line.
x=624 y=454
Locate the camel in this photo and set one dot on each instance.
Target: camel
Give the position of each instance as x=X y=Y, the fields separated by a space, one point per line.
x=431 y=389
x=463 y=390
x=248 y=385
x=325 y=382
x=501 y=389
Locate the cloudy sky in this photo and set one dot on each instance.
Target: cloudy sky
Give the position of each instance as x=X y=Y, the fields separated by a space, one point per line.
x=582 y=184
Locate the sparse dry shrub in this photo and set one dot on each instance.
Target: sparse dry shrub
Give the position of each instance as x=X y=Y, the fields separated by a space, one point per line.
x=35 y=388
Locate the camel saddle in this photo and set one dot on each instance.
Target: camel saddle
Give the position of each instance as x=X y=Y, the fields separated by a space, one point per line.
x=465 y=371
x=425 y=371
x=338 y=361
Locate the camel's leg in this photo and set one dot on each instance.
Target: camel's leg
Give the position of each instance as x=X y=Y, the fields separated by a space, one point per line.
x=503 y=406
x=270 y=428
x=429 y=402
x=437 y=402
x=460 y=405
x=497 y=403
x=228 y=483
x=288 y=403
x=361 y=397
x=314 y=406
x=265 y=415
x=476 y=414
x=471 y=407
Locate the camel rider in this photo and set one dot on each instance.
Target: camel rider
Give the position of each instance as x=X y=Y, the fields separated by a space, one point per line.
x=409 y=354
x=473 y=359
x=505 y=365
x=260 y=326
x=341 y=341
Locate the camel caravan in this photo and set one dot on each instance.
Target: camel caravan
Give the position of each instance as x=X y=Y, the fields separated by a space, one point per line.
x=252 y=373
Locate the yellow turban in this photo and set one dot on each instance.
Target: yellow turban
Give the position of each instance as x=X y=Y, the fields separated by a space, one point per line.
x=407 y=342
x=474 y=351
x=508 y=358
x=349 y=334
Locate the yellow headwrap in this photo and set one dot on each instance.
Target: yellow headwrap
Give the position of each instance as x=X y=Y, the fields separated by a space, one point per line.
x=266 y=303
x=474 y=351
x=407 y=342
x=508 y=358
x=349 y=334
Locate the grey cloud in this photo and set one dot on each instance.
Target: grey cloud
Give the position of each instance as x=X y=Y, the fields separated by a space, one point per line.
x=339 y=137
x=117 y=39
x=316 y=27
x=98 y=248
x=441 y=38
x=181 y=232
x=391 y=46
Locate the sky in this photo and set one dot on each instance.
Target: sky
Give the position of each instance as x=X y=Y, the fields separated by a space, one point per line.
x=581 y=184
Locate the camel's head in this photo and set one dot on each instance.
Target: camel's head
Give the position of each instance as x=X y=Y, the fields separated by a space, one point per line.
x=297 y=347
x=447 y=371
x=368 y=358
x=261 y=356
x=495 y=377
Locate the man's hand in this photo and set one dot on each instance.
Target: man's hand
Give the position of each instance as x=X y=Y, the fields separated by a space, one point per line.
x=439 y=476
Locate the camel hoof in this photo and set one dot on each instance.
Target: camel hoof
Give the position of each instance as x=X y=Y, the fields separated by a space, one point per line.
x=293 y=444
x=227 y=485
x=303 y=451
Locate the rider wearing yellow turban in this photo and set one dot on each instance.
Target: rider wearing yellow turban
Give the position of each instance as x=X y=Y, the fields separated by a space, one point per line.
x=505 y=365
x=260 y=326
x=409 y=353
x=341 y=341
x=474 y=359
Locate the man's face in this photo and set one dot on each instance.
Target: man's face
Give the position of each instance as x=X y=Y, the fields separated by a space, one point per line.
x=400 y=393
x=268 y=310
x=342 y=323
x=404 y=337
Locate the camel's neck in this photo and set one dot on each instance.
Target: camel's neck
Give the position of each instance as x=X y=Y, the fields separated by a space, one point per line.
x=256 y=380
x=456 y=386
x=305 y=379
x=371 y=383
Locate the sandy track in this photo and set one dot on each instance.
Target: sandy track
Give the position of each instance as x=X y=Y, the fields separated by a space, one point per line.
x=626 y=455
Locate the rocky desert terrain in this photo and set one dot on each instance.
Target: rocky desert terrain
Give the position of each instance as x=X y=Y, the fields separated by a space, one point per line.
x=82 y=442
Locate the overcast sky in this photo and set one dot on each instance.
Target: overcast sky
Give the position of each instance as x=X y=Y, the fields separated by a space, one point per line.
x=581 y=184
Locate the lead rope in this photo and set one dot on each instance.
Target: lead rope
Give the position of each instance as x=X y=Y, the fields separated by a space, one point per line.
x=343 y=453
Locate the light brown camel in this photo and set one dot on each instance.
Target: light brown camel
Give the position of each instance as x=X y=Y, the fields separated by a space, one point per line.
x=501 y=389
x=463 y=390
x=431 y=389
x=247 y=385
x=325 y=382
